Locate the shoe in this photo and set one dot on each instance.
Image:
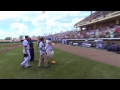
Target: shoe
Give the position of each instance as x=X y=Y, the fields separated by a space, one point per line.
x=52 y=62
x=22 y=66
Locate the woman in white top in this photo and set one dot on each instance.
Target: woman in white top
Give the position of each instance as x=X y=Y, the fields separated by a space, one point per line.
x=49 y=50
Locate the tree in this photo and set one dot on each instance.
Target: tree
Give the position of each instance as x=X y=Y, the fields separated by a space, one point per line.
x=21 y=37
x=8 y=38
x=33 y=37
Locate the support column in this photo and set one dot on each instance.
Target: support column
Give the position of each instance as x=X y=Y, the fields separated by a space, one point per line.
x=117 y=21
x=95 y=26
x=81 y=28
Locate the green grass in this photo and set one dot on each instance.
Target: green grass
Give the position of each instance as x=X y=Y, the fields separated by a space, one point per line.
x=68 y=66
x=4 y=46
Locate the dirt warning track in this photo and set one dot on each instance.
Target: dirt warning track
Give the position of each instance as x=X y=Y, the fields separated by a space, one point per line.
x=94 y=54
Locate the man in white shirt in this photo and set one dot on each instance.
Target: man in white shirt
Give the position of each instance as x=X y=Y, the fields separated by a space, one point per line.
x=100 y=40
x=63 y=41
x=26 y=53
x=99 y=43
x=96 y=40
x=96 y=43
x=43 y=56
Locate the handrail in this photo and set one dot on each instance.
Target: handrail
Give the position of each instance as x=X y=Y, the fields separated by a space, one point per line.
x=95 y=38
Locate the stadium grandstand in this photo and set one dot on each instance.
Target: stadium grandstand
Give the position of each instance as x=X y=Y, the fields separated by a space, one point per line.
x=104 y=24
x=101 y=23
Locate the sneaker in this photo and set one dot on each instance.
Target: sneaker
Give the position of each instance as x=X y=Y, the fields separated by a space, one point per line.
x=28 y=66
x=52 y=62
x=22 y=66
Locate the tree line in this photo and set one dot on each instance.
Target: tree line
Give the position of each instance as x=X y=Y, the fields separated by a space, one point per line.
x=20 y=37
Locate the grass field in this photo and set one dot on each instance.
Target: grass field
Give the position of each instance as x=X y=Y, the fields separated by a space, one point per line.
x=68 y=66
x=3 y=46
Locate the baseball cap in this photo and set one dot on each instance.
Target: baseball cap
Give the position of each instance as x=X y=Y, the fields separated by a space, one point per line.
x=48 y=38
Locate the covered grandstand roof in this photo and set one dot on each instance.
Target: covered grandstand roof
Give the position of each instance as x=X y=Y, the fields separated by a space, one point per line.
x=95 y=16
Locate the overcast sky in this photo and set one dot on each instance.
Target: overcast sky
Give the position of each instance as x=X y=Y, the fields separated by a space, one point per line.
x=16 y=23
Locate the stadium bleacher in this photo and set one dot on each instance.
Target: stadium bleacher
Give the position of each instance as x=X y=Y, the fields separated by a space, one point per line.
x=109 y=30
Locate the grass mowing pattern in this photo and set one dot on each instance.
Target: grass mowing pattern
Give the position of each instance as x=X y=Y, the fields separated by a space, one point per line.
x=68 y=66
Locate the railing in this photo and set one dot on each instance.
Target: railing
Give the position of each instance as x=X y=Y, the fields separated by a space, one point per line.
x=93 y=39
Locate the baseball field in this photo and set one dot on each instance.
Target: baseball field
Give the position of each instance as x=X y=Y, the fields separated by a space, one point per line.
x=67 y=66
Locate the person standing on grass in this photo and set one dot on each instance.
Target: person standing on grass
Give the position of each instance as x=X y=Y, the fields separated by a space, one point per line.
x=38 y=41
x=43 y=56
x=31 y=49
x=26 y=53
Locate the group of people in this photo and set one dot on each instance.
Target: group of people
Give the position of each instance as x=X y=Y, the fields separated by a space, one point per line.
x=86 y=43
x=98 y=43
x=45 y=50
x=112 y=47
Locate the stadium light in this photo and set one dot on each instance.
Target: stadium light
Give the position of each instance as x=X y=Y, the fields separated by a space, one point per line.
x=91 y=12
x=43 y=12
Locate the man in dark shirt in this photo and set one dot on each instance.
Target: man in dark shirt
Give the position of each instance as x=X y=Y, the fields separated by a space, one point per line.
x=113 y=47
x=31 y=49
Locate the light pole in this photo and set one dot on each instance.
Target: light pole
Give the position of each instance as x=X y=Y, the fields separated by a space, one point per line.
x=43 y=12
x=91 y=12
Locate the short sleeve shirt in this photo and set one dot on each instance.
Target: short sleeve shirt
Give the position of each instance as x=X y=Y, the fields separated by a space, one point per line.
x=25 y=43
x=41 y=45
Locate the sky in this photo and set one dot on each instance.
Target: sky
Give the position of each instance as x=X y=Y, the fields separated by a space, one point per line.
x=35 y=23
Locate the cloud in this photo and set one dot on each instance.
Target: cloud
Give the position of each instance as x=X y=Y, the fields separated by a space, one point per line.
x=3 y=33
x=25 y=18
x=58 y=21
x=37 y=31
x=19 y=29
x=11 y=14
x=16 y=23
x=38 y=20
x=18 y=26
